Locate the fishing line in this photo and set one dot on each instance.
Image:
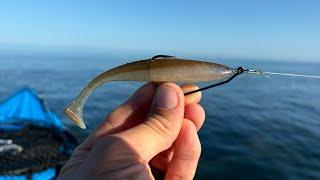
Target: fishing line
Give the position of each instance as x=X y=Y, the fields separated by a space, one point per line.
x=259 y=72
x=295 y=75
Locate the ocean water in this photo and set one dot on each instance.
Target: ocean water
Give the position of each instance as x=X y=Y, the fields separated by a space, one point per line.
x=256 y=127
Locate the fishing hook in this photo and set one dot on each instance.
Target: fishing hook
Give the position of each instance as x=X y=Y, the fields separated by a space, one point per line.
x=239 y=71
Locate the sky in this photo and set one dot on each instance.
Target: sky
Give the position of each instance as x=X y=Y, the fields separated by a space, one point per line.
x=256 y=29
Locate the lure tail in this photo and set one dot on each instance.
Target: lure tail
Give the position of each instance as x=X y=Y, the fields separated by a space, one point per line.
x=74 y=112
x=124 y=73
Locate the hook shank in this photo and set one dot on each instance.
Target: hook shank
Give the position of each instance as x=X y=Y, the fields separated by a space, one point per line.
x=239 y=71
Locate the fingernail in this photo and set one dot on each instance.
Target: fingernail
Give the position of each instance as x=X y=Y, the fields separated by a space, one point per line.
x=166 y=97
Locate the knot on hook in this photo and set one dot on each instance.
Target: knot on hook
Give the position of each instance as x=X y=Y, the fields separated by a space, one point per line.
x=241 y=70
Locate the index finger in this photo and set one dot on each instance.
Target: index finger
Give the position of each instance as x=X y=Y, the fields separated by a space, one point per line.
x=191 y=98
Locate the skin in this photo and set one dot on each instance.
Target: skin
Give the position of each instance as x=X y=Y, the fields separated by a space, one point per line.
x=140 y=135
x=168 y=69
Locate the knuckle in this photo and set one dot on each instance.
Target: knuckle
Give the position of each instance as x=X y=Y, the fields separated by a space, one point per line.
x=191 y=156
x=164 y=124
x=158 y=128
x=112 y=117
x=161 y=126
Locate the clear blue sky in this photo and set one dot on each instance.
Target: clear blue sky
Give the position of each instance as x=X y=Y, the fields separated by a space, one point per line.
x=277 y=29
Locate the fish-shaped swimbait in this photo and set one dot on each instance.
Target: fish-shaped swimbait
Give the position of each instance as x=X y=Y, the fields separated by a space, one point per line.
x=160 y=68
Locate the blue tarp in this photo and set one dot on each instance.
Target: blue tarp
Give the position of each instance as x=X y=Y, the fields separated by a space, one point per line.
x=43 y=175
x=26 y=106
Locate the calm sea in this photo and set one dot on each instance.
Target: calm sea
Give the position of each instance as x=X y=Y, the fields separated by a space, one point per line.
x=256 y=127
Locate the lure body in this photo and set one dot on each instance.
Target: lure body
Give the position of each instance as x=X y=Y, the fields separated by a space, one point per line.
x=157 y=69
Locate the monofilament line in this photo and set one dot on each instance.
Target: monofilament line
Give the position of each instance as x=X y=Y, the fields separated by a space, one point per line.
x=287 y=74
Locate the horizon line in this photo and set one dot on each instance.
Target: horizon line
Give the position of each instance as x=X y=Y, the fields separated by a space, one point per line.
x=73 y=50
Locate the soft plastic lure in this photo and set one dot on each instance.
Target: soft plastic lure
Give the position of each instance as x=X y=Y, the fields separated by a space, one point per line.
x=160 y=68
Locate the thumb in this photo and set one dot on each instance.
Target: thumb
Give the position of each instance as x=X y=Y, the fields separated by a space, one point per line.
x=161 y=127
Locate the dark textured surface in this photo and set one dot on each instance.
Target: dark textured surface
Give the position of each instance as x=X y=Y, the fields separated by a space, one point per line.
x=42 y=148
x=256 y=127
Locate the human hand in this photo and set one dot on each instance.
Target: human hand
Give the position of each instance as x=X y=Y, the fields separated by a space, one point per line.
x=156 y=127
